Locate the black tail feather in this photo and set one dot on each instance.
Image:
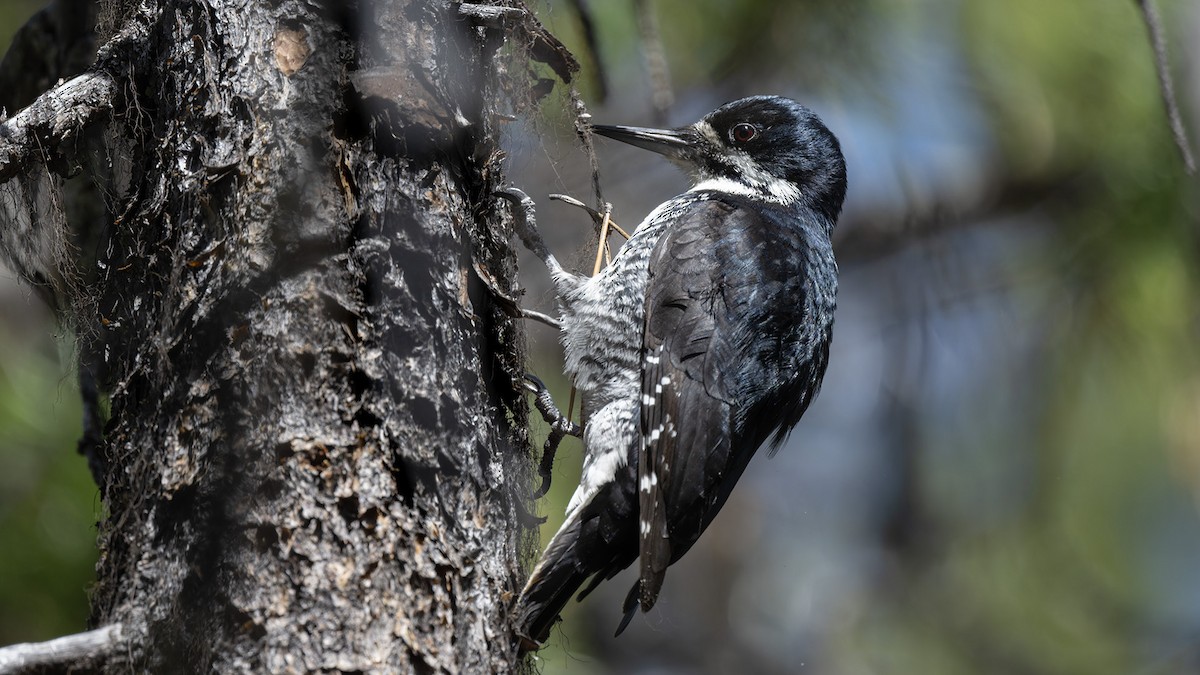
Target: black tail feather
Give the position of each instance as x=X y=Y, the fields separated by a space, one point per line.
x=587 y=590
x=550 y=587
x=630 y=607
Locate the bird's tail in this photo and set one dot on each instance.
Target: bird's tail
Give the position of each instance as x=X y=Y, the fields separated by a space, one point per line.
x=550 y=587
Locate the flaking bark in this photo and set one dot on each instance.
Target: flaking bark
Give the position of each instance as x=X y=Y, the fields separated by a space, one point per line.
x=315 y=458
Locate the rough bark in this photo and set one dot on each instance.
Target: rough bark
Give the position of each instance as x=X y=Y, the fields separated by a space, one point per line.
x=315 y=459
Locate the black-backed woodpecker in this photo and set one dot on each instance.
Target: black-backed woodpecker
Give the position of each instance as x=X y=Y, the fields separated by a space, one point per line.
x=706 y=338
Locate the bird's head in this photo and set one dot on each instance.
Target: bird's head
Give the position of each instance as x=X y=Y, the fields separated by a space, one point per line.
x=766 y=147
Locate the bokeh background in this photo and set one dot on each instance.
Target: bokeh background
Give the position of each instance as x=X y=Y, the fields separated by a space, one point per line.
x=1002 y=473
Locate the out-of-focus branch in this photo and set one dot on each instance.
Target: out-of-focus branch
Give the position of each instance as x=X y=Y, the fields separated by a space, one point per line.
x=868 y=235
x=54 y=44
x=656 y=60
x=61 y=652
x=1165 y=83
x=590 y=40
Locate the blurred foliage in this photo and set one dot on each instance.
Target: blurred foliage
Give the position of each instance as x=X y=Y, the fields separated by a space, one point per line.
x=48 y=502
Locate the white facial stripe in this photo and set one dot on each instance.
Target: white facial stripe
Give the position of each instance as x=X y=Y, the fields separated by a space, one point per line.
x=782 y=190
x=778 y=190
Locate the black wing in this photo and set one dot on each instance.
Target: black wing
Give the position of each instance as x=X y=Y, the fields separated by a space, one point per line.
x=733 y=349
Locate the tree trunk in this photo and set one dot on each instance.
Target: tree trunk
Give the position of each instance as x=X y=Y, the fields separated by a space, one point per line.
x=315 y=457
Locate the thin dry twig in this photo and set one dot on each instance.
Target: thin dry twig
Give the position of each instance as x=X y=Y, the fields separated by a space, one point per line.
x=603 y=255
x=583 y=130
x=596 y=215
x=602 y=243
x=1165 y=83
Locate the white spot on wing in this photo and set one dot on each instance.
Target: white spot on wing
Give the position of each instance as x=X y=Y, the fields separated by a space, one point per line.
x=648 y=481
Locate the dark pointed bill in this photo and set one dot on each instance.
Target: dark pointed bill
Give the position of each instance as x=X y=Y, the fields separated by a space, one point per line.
x=669 y=142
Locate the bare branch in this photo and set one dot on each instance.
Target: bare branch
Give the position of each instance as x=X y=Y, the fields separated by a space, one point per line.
x=490 y=15
x=1165 y=83
x=53 y=118
x=63 y=651
x=543 y=47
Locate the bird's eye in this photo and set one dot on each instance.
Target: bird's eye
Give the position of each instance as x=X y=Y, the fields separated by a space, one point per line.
x=743 y=132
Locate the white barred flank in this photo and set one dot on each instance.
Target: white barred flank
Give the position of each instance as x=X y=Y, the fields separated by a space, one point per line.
x=604 y=458
x=602 y=340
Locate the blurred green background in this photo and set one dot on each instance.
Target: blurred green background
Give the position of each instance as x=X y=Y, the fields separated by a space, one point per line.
x=48 y=502
x=1003 y=470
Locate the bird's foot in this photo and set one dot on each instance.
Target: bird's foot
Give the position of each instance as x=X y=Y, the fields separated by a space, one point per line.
x=526 y=518
x=507 y=302
x=560 y=427
x=525 y=221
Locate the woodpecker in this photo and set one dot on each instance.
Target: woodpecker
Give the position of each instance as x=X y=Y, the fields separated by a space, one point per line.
x=704 y=339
